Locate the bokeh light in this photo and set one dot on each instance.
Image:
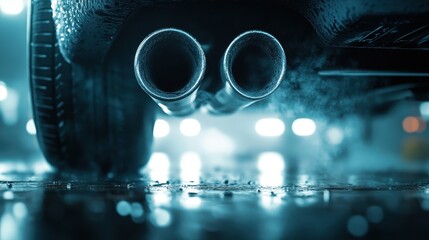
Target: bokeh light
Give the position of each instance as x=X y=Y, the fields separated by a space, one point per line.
x=190 y=167
x=270 y=127
x=161 y=198
x=357 y=226
x=8 y=195
x=271 y=162
x=160 y=217
x=136 y=210
x=8 y=227
x=335 y=136
x=424 y=110
x=412 y=124
x=20 y=210
x=190 y=127
x=159 y=167
x=161 y=128
x=304 y=127
x=189 y=202
x=123 y=208
x=3 y=91
x=31 y=127
x=271 y=166
x=12 y=7
x=374 y=214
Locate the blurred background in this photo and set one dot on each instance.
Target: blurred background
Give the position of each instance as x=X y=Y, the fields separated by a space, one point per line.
x=263 y=146
x=262 y=136
x=19 y=150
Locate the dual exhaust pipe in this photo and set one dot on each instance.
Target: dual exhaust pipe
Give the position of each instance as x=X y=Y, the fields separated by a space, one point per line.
x=170 y=66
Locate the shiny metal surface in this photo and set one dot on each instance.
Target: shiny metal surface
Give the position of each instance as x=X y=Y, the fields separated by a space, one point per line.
x=261 y=70
x=169 y=66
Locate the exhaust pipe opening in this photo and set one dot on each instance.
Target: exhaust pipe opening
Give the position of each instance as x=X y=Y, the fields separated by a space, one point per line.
x=169 y=66
x=163 y=57
x=254 y=64
x=252 y=68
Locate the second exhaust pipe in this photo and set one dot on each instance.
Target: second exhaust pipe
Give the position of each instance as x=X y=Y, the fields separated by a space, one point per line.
x=169 y=65
x=252 y=68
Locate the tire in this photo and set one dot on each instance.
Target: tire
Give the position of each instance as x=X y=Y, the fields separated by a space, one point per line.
x=88 y=118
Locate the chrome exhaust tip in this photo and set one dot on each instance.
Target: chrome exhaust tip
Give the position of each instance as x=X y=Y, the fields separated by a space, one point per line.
x=169 y=66
x=252 y=68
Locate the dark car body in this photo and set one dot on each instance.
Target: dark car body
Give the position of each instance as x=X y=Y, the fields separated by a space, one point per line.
x=343 y=56
x=87 y=29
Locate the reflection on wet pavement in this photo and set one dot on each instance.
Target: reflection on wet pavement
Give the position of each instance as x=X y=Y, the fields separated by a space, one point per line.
x=214 y=204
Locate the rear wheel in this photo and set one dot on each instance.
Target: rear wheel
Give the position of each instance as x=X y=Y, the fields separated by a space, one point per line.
x=89 y=118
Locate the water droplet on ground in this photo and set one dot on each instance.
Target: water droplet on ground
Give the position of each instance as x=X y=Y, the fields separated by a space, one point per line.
x=192 y=194
x=228 y=194
x=326 y=196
